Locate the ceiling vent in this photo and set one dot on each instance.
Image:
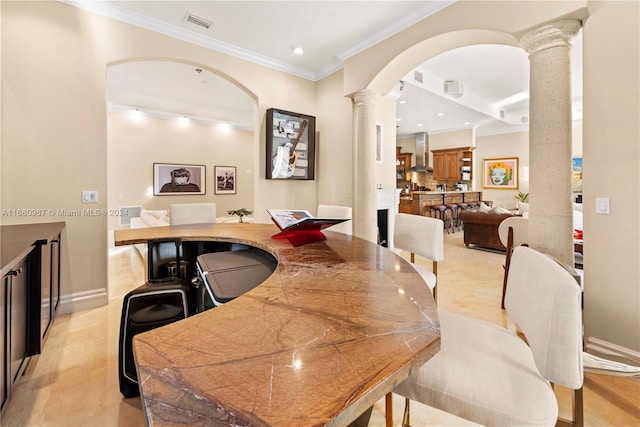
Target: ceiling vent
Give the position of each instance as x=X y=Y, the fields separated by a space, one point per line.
x=417 y=76
x=453 y=88
x=196 y=20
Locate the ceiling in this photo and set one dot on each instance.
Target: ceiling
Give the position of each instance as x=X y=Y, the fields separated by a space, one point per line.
x=492 y=79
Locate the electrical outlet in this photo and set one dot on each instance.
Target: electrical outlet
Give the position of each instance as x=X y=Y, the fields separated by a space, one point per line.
x=89 y=197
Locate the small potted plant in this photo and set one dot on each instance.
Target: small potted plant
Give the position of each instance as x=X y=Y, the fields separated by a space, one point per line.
x=240 y=212
x=522 y=197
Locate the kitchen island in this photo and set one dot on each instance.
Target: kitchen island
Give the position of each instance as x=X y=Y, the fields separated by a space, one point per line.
x=420 y=202
x=337 y=325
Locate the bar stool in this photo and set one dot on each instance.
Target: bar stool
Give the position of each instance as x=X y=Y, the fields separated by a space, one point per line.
x=453 y=215
x=488 y=203
x=461 y=207
x=440 y=212
x=474 y=205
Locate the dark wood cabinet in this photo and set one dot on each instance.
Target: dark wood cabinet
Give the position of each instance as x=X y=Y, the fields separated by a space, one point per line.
x=17 y=308
x=29 y=296
x=50 y=294
x=4 y=344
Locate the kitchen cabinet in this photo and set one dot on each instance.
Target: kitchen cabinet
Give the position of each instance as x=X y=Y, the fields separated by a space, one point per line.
x=29 y=295
x=15 y=321
x=453 y=164
x=50 y=297
x=403 y=165
x=406 y=206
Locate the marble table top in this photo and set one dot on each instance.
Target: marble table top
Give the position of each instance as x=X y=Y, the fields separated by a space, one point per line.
x=337 y=326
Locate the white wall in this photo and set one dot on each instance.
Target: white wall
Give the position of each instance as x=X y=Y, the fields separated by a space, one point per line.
x=501 y=146
x=335 y=155
x=136 y=142
x=611 y=155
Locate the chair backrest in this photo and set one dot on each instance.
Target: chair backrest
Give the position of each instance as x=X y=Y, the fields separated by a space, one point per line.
x=520 y=228
x=333 y=211
x=192 y=213
x=545 y=302
x=421 y=235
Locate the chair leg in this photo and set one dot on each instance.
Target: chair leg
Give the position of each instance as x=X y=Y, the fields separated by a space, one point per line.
x=435 y=288
x=407 y=411
x=577 y=404
x=388 y=409
x=507 y=262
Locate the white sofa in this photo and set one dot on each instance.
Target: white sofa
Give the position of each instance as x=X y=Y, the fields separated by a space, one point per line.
x=149 y=218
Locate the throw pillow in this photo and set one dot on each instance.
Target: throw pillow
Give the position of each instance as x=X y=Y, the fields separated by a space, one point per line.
x=158 y=214
x=484 y=208
x=500 y=210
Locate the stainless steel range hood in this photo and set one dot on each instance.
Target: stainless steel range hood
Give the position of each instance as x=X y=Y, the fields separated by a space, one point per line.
x=422 y=153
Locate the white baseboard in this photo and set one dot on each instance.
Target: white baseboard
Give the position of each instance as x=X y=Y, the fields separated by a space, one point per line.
x=80 y=301
x=601 y=347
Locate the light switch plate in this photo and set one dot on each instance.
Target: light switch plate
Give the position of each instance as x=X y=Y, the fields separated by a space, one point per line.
x=603 y=206
x=89 y=197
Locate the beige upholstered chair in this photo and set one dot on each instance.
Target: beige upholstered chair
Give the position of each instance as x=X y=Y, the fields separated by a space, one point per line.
x=424 y=236
x=488 y=374
x=513 y=231
x=192 y=213
x=333 y=211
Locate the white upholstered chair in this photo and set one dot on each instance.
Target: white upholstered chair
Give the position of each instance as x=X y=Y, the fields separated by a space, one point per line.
x=488 y=374
x=423 y=236
x=192 y=213
x=334 y=211
x=513 y=231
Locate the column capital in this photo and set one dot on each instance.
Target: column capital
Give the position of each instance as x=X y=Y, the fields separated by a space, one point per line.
x=365 y=96
x=554 y=34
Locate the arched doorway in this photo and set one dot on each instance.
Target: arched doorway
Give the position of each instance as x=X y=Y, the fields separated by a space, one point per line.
x=175 y=113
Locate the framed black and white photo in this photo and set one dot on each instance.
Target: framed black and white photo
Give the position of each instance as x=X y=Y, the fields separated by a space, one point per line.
x=225 y=179
x=291 y=145
x=171 y=179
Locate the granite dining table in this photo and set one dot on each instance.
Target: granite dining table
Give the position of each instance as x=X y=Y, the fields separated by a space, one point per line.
x=336 y=327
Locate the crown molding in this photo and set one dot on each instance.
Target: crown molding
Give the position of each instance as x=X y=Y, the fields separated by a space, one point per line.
x=112 y=11
x=115 y=12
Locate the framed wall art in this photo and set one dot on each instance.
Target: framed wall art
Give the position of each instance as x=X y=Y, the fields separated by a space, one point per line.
x=225 y=179
x=500 y=174
x=291 y=145
x=171 y=179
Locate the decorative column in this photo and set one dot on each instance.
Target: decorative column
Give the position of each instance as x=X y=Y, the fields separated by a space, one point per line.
x=550 y=207
x=365 y=214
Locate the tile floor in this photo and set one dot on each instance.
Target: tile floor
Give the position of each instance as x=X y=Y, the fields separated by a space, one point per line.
x=75 y=381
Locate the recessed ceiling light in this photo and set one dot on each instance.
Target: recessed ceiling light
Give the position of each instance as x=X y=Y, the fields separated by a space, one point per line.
x=398 y=119
x=419 y=125
x=297 y=50
x=403 y=102
x=467 y=123
x=440 y=114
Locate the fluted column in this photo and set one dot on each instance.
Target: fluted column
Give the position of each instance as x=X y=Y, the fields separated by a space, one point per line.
x=550 y=208
x=365 y=214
